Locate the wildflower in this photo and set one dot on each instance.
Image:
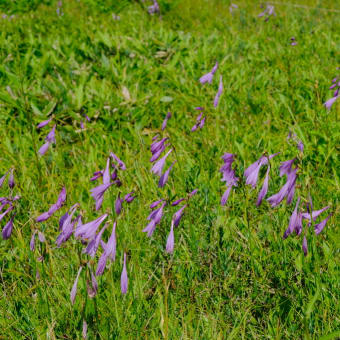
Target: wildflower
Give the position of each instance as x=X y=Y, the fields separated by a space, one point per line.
x=154 y=204
x=293 y=221
x=158 y=166
x=319 y=227
x=94 y=283
x=304 y=246
x=88 y=230
x=96 y=175
x=264 y=189
x=44 y=123
x=121 y=164
x=192 y=193
x=328 y=104
x=93 y=245
x=11 y=183
x=106 y=173
x=231 y=7
x=300 y=146
x=293 y=41
x=168 y=116
x=2 y=179
x=124 y=278
x=178 y=215
x=164 y=177
x=154 y=218
x=32 y=241
x=314 y=214
x=154 y=8
x=129 y=198
x=170 y=242
x=177 y=202
x=51 y=136
x=109 y=251
x=66 y=225
x=6 y=212
x=44 y=148
x=98 y=194
x=74 y=287
x=157 y=145
x=41 y=237
x=269 y=11
x=219 y=92
x=118 y=204
x=7 y=230
x=252 y=172
x=84 y=331
x=228 y=176
x=207 y=78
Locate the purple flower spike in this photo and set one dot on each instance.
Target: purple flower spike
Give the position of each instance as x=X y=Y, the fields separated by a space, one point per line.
x=32 y=241
x=43 y=217
x=252 y=172
x=88 y=230
x=174 y=203
x=51 y=136
x=178 y=215
x=192 y=193
x=170 y=242
x=124 y=278
x=225 y=196
x=154 y=218
x=219 y=92
x=328 y=104
x=106 y=174
x=118 y=204
x=96 y=175
x=154 y=204
x=119 y=161
x=164 y=178
x=44 y=123
x=129 y=198
x=168 y=116
x=207 y=78
x=293 y=221
x=74 y=287
x=98 y=194
x=157 y=154
x=7 y=230
x=264 y=189
x=300 y=146
x=109 y=252
x=158 y=166
x=286 y=167
x=157 y=145
x=44 y=148
x=319 y=227
x=6 y=212
x=93 y=245
x=315 y=214
x=67 y=225
x=2 y=179
x=304 y=246
x=11 y=183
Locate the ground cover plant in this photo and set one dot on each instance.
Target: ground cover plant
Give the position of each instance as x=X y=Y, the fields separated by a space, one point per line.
x=169 y=169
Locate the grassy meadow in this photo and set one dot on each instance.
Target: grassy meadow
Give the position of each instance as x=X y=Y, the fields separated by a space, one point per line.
x=231 y=274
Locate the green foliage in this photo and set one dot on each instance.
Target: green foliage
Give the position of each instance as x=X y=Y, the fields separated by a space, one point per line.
x=231 y=276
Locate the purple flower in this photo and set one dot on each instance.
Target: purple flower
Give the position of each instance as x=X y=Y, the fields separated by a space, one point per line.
x=157 y=145
x=328 y=104
x=62 y=220
x=319 y=227
x=96 y=175
x=32 y=241
x=293 y=41
x=44 y=148
x=74 y=287
x=219 y=92
x=286 y=167
x=252 y=172
x=231 y=7
x=304 y=246
x=93 y=245
x=314 y=214
x=6 y=212
x=178 y=215
x=129 y=198
x=84 y=331
x=228 y=176
x=293 y=221
x=153 y=8
x=124 y=278
x=164 y=177
x=207 y=78
x=264 y=189
x=121 y=164
x=51 y=136
x=11 y=179
x=300 y=146
x=7 y=230
x=118 y=204
x=168 y=116
x=106 y=174
x=157 y=153
x=170 y=242
x=66 y=225
x=109 y=252
x=41 y=237
x=158 y=166
x=88 y=230
x=44 y=123
x=2 y=179
x=269 y=11
x=154 y=218
x=288 y=190
x=154 y=204
x=98 y=194
x=174 y=203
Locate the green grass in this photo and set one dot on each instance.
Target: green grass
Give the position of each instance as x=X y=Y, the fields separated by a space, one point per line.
x=231 y=275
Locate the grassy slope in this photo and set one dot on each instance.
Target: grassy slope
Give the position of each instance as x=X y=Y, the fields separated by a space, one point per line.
x=231 y=274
